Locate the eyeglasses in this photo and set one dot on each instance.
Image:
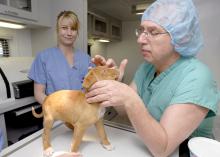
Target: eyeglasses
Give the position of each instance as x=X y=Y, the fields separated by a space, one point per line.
x=150 y=34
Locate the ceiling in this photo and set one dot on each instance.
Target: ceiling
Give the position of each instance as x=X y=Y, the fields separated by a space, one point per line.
x=120 y=9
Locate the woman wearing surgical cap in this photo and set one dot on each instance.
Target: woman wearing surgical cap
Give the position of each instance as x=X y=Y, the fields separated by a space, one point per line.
x=173 y=96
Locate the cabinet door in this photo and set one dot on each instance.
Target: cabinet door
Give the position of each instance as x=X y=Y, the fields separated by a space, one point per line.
x=100 y=27
x=25 y=9
x=115 y=31
x=3 y=2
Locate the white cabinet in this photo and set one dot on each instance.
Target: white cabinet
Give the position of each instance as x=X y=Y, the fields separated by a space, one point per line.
x=115 y=30
x=104 y=27
x=24 y=9
x=100 y=27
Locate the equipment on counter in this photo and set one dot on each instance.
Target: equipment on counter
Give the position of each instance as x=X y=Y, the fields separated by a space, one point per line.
x=23 y=88
x=13 y=72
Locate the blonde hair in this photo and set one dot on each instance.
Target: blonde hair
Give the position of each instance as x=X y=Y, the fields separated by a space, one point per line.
x=72 y=16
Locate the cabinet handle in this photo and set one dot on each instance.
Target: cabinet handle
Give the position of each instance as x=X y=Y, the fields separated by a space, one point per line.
x=11 y=13
x=25 y=110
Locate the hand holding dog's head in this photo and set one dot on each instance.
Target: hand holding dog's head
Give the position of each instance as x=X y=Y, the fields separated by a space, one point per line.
x=99 y=73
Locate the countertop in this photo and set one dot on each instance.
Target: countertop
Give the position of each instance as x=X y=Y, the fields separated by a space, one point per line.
x=125 y=142
x=11 y=104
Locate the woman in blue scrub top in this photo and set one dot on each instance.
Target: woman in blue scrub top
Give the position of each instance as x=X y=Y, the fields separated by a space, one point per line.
x=173 y=96
x=63 y=66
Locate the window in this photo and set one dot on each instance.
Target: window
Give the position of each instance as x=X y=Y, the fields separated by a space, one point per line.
x=4 y=49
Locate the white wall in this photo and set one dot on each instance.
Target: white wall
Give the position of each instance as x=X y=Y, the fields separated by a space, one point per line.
x=209 y=14
x=19 y=41
x=44 y=38
x=44 y=12
x=98 y=48
x=209 y=17
x=119 y=50
x=127 y=48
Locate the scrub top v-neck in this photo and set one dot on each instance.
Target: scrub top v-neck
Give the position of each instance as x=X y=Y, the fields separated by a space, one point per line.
x=51 y=69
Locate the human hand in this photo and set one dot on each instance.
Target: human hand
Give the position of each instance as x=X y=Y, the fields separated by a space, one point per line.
x=101 y=61
x=111 y=93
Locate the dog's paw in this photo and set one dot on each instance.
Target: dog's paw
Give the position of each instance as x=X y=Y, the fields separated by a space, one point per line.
x=66 y=154
x=48 y=152
x=109 y=147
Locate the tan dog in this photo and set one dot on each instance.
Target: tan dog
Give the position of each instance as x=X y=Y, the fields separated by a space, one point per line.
x=71 y=107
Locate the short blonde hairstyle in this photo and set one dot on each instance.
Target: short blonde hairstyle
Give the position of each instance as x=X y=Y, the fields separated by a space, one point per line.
x=72 y=16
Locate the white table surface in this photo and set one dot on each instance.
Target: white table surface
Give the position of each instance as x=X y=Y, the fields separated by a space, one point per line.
x=125 y=143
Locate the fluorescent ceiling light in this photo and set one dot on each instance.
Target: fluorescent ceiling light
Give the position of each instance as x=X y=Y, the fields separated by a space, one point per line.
x=11 y=25
x=141 y=13
x=104 y=40
x=139 y=9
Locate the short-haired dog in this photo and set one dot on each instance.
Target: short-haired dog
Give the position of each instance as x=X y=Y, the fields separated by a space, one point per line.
x=71 y=107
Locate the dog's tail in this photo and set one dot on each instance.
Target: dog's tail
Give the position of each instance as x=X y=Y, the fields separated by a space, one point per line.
x=36 y=114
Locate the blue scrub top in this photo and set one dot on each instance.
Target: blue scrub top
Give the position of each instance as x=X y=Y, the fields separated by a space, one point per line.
x=51 y=69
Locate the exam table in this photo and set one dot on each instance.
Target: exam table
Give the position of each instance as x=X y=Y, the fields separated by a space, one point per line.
x=123 y=138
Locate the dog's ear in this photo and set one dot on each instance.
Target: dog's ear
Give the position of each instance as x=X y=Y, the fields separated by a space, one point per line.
x=89 y=79
x=99 y=73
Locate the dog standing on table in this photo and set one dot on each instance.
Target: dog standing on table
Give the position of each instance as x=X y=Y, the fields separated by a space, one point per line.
x=71 y=107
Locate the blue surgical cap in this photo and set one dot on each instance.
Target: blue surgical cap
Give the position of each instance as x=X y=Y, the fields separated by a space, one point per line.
x=180 y=19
